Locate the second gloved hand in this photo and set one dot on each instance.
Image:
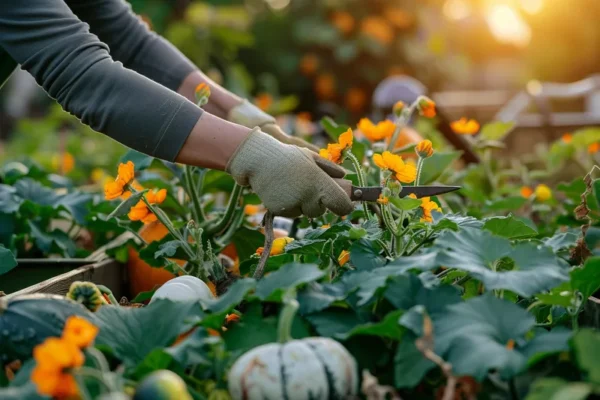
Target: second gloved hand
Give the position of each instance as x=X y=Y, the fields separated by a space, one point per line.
x=250 y=116
x=289 y=180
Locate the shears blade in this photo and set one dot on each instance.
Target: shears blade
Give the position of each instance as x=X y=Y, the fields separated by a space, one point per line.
x=372 y=193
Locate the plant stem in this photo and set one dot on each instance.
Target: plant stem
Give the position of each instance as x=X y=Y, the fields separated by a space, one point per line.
x=385 y=248
x=83 y=392
x=104 y=290
x=269 y=237
x=419 y=169
x=286 y=318
x=99 y=358
x=361 y=179
x=225 y=220
x=164 y=219
x=97 y=375
x=197 y=209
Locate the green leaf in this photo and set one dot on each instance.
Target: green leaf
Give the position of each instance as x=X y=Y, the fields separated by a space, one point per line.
x=511 y=203
x=364 y=255
x=405 y=203
x=272 y=286
x=246 y=241
x=558 y=389
x=234 y=296
x=316 y=297
x=508 y=227
x=587 y=279
x=7 y=260
x=409 y=364
x=140 y=160
x=56 y=241
x=126 y=330
x=388 y=327
x=496 y=130
x=305 y=246
x=10 y=201
x=126 y=205
x=334 y=322
x=167 y=249
x=573 y=189
x=149 y=253
x=536 y=268
x=143 y=296
x=195 y=349
x=332 y=128
x=586 y=345
x=435 y=165
x=561 y=241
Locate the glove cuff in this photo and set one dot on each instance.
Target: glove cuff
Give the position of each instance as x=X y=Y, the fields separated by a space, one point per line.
x=250 y=155
x=248 y=115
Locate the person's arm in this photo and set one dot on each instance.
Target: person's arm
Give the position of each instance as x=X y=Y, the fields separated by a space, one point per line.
x=132 y=43
x=138 y=48
x=75 y=68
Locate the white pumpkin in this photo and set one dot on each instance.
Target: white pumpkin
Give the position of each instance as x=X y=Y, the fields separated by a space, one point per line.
x=312 y=368
x=183 y=288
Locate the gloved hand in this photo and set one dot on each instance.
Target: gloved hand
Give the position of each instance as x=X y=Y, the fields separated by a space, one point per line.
x=250 y=116
x=289 y=180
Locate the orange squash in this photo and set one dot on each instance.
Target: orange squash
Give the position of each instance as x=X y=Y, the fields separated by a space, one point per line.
x=143 y=277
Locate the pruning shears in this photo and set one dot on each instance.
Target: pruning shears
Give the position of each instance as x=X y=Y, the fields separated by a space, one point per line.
x=372 y=193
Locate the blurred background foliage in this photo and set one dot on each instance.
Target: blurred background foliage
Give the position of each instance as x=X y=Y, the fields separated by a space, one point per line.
x=311 y=58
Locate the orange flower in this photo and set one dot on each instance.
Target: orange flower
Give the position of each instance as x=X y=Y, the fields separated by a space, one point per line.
x=54 y=357
x=526 y=191
x=264 y=101
x=126 y=172
x=343 y=258
x=379 y=29
x=278 y=246
x=427 y=206
x=156 y=197
x=252 y=209
x=375 y=133
x=213 y=332
x=567 y=138
x=304 y=116
x=426 y=107
x=510 y=345
x=383 y=200
x=202 y=91
x=424 y=149
x=63 y=163
x=400 y=18
x=465 y=126
x=398 y=108
x=231 y=318
x=113 y=190
x=343 y=21
x=212 y=287
x=325 y=86
x=335 y=151
x=138 y=212
x=405 y=173
x=594 y=148
x=79 y=331
x=325 y=226
x=309 y=64
x=149 y=218
x=356 y=99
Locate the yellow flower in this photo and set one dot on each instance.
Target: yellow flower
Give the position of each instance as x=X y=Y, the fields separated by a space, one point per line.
x=126 y=172
x=567 y=138
x=465 y=126
x=526 y=191
x=278 y=246
x=375 y=133
x=325 y=226
x=335 y=151
x=63 y=163
x=344 y=257
x=594 y=148
x=79 y=331
x=426 y=107
x=543 y=193
x=97 y=175
x=383 y=200
x=424 y=149
x=264 y=101
x=54 y=357
x=113 y=190
x=427 y=206
x=343 y=21
x=405 y=173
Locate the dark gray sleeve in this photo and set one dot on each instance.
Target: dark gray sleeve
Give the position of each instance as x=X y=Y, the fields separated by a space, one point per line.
x=75 y=68
x=132 y=43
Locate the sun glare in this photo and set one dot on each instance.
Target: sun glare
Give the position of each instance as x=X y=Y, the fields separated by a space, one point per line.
x=532 y=6
x=507 y=25
x=457 y=9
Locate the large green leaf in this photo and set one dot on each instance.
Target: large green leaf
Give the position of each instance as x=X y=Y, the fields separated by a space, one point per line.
x=334 y=322
x=7 y=260
x=561 y=241
x=9 y=199
x=435 y=165
x=272 y=286
x=365 y=255
x=316 y=297
x=586 y=345
x=56 y=241
x=510 y=203
x=558 y=389
x=246 y=241
x=508 y=227
x=234 y=296
x=306 y=246
x=479 y=253
x=587 y=279
x=132 y=333
x=496 y=130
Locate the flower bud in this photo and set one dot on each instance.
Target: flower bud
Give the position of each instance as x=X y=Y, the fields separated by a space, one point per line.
x=424 y=149
x=426 y=107
x=202 y=93
x=398 y=108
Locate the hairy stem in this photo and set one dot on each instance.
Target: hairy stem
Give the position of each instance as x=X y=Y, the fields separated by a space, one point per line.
x=361 y=179
x=269 y=237
x=226 y=219
x=191 y=189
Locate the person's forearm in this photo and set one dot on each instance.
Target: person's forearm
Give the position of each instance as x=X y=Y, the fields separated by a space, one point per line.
x=221 y=100
x=212 y=142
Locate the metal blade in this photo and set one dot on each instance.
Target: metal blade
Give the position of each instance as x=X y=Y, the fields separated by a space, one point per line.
x=370 y=193
x=427 y=191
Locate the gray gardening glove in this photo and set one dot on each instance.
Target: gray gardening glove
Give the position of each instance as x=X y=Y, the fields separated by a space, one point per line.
x=289 y=180
x=250 y=116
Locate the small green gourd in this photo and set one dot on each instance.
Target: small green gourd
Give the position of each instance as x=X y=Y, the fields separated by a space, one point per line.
x=87 y=294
